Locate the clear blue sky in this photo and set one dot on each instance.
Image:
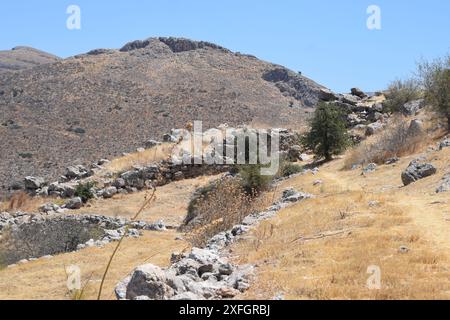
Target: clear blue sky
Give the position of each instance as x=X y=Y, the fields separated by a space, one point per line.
x=325 y=39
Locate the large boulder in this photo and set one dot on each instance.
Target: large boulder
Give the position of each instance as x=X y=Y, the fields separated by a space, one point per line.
x=74 y=203
x=415 y=128
x=294 y=153
x=150 y=281
x=359 y=93
x=109 y=192
x=413 y=107
x=33 y=183
x=416 y=171
x=77 y=172
x=133 y=179
x=374 y=128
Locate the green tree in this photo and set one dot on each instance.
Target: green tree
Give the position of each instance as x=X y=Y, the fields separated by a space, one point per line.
x=328 y=134
x=435 y=77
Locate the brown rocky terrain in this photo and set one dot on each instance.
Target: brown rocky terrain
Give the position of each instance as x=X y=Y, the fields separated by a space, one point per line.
x=20 y=58
x=106 y=102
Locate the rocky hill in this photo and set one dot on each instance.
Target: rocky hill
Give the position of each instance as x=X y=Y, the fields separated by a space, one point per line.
x=20 y=58
x=106 y=102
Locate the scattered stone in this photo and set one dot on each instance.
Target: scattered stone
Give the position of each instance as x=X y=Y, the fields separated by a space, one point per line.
x=416 y=171
x=374 y=203
x=317 y=182
x=444 y=144
x=403 y=249
x=371 y=167
x=74 y=203
x=445 y=184
x=392 y=160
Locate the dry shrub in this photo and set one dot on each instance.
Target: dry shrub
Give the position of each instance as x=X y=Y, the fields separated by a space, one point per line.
x=395 y=141
x=218 y=210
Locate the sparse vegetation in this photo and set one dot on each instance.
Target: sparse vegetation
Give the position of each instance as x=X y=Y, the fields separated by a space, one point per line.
x=252 y=180
x=288 y=168
x=21 y=201
x=435 y=79
x=401 y=92
x=395 y=141
x=328 y=135
x=220 y=209
x=84 y=191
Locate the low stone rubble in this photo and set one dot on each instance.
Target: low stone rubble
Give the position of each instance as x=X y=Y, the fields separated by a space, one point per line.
x=202 y=273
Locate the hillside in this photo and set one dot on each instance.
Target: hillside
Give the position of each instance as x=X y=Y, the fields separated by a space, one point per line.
x=318 y=248
x=20 y=58
x=107 y=102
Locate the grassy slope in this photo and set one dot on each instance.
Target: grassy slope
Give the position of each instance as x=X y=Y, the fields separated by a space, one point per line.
x=335 y=267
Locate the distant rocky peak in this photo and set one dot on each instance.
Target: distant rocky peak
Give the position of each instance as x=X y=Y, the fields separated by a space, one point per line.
x=175 y=44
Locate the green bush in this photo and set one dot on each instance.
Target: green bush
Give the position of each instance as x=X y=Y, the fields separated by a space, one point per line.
x=287 y=169
x=401 y=92
x=435 y=79
x=328 y=135
x=84 y=191
x=252 y=180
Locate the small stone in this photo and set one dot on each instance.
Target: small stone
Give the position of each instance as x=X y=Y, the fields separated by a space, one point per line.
x=403 y=249
x=371 y=167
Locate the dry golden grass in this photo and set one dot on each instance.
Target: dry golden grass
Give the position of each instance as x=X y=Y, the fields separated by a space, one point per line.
x=20 y=201
x=167 y=207
x=46 y=279
x=147 y=157
x=221 y=209
x=321 y=248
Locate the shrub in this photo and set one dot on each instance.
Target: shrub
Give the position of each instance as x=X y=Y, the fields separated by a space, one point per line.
x=328 y=135
x=287 y=169
x=396 y=141
x=401 y=92
x=84 y=191
x=435 y=78
x=252 y=180
x=199 y=195
x=219 y=209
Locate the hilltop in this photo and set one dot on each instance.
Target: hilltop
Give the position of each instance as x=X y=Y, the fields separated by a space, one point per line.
x=106 y=102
